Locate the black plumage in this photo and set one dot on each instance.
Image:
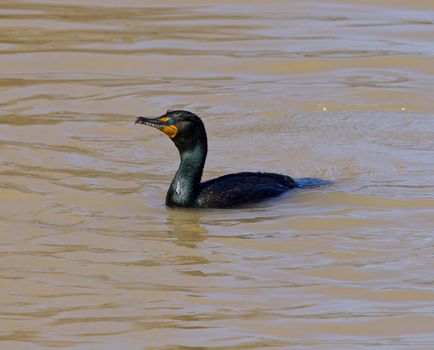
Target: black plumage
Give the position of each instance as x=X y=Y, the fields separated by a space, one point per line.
x=233 y=190
x=188 y=133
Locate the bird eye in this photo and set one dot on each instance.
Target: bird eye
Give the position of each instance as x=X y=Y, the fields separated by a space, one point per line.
x=170 y=121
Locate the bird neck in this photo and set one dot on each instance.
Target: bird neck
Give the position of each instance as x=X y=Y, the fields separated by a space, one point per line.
x=185 y=185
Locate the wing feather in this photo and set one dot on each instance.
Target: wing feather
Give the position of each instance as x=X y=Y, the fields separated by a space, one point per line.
x=241 y=188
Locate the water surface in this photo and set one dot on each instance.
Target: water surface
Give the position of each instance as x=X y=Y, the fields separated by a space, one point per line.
x=91 y=258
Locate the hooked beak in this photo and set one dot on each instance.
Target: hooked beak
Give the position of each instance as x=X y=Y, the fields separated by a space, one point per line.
x=160 y=124
x=154 y=122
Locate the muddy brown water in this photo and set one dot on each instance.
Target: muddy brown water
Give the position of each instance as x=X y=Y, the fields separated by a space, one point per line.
x=91 y=258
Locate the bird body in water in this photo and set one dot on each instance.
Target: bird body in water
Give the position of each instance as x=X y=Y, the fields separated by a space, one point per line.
x=188 y=133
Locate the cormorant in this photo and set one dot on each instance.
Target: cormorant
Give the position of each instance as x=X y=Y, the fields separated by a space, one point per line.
x=188 y=133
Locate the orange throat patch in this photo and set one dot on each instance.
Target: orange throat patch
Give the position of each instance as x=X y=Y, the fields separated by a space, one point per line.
x=170 y=130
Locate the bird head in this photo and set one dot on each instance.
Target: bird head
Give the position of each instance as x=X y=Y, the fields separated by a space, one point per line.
x=184 y=128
